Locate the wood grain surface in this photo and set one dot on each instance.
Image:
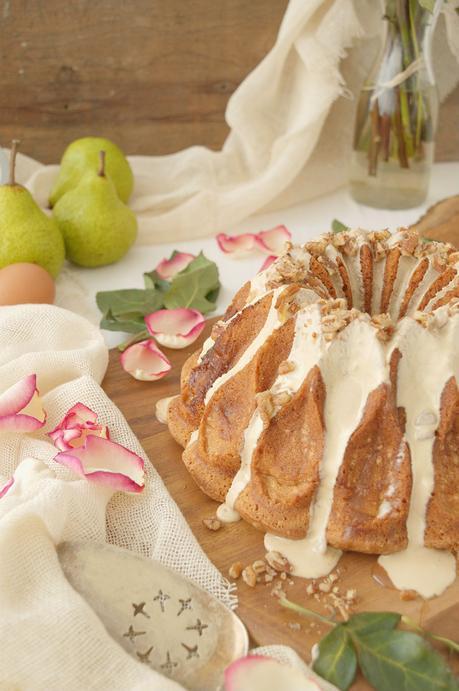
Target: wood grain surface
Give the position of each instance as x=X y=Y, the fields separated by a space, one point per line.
x=154 y=75
x=265 y=619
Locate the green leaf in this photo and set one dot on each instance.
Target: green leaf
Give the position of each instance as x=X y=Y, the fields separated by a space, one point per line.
x=130 y=303
x=338 y=227
x=111 y=323
x=196 y=286
x=402 y=661
x=152 y=281
x=337 y=661
x=368 y=622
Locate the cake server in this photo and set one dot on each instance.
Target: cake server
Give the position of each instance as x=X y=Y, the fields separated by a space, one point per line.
x=158 y=616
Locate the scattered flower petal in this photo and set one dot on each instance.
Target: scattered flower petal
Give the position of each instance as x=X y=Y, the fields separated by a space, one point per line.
x=8 y=484
x=168 y=268
x=144 y=361
x=260 y=673
x=176 y=328
x=273 y=241
x=267 y=263
x=237 y=245
x=20 y=407
x=79 y=422
x=107 y=463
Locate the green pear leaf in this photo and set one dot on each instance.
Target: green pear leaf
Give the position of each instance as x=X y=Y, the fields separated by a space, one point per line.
x=403 y=661
x=368 y=622
x=337 y=661
x=129 y=304
x=196 y=286
x=132 y=326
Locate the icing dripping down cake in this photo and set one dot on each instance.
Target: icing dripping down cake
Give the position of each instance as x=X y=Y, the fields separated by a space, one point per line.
x=324 y=407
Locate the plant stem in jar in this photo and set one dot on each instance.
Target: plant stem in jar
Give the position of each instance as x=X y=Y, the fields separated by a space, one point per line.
x=375 y=140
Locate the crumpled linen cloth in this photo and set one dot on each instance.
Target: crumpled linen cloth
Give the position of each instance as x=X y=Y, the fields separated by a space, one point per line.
x=291 y=124
x=50 y=638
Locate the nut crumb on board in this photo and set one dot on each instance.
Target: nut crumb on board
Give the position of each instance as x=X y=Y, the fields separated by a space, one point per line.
x=235 y=569
x=249 y=576
x=408 y=595
x=212 y=523
x=278 y=562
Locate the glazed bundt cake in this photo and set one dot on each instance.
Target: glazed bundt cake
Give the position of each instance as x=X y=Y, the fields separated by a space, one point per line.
x=325 y=403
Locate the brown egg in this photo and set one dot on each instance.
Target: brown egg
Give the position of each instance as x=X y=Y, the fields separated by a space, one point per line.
x=23 y=283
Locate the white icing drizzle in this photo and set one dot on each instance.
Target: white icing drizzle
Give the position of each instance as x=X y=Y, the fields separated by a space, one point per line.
x=441 y=293
x=379 y=267
x=386 y=504
x=430 y=276
x=332 y=254
x=206 y=346
x=258 y=284
x=435 y=354
x=305 y=352
x=354 y=271
x=227 y=515
x=305 y=560
x=162 y=407
x=272 y=322
x=348 y=382
x=194 y=437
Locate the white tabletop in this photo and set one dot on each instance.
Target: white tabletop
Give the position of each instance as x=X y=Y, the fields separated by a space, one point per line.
x=305 y=221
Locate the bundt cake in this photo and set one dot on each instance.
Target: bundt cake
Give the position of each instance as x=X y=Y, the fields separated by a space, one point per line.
x=325 y=403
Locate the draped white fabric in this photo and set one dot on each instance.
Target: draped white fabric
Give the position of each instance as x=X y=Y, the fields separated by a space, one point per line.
x=291 y=126
x=51 y=639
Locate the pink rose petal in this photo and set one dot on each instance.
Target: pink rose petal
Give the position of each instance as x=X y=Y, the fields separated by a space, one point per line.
x=267 y=263
x=79 y=422
x=176 y=328
x=260 y=673
x=237 y=245
x=107 y=463
x=273 y=241
x=168 y=268
x=8 y=484
x=20 y=407
x=144 y=361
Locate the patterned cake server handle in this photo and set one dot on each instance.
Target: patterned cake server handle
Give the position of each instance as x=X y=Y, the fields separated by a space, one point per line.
x=158 y=616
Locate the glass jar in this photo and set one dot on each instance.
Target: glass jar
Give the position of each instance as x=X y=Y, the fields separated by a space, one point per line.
x=396 y=117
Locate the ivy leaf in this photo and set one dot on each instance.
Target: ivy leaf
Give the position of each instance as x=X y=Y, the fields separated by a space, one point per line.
x=403 y=661
x=196 y=286
x=369 y=622
x=338 y=227
x=337 y=661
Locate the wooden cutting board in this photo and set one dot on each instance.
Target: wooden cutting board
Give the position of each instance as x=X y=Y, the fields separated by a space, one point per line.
x=265 y=619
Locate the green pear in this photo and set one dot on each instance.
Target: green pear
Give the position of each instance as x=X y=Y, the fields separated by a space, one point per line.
x=27 y=234
x=83 y=155
x=97 y=227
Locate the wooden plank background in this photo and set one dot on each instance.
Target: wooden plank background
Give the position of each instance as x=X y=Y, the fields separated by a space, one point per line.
x=154 y=75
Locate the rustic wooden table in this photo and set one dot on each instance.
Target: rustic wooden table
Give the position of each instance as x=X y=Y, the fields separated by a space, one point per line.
x=265 y=619
x=153 y=76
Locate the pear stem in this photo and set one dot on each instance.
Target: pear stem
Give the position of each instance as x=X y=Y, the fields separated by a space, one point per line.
x=101 y=170
x=14 y=149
